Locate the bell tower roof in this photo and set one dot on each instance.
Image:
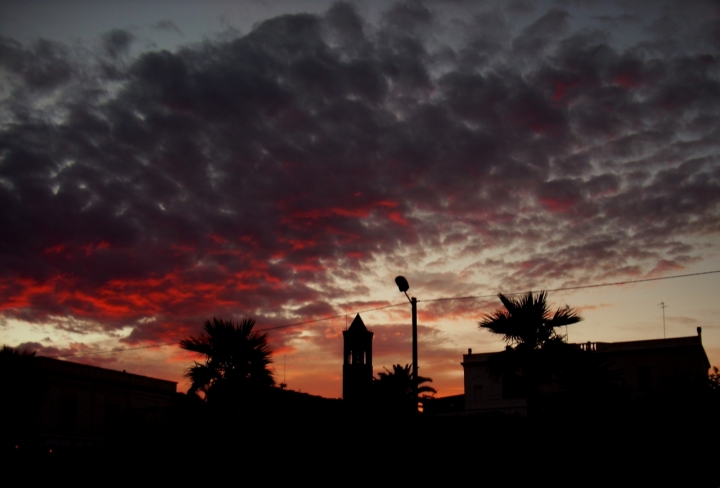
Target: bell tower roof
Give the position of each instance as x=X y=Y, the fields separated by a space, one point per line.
x=358 y=326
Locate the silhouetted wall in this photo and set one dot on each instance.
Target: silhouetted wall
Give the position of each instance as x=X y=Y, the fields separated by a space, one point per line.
x=80 y=405
x=640 y=369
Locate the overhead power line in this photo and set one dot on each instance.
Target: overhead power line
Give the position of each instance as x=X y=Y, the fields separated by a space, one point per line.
x=330 y=318
x=580 y=287
x=295 y=324
x=112 y=351
x=469 y=297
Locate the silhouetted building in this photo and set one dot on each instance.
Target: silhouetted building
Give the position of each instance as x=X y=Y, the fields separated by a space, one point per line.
x=357 y=362
x=449 y=405
x=79 y=405
x=639 y=368
x=484 y=392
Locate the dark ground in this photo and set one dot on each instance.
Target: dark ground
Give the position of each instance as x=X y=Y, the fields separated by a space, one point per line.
x=668 y=446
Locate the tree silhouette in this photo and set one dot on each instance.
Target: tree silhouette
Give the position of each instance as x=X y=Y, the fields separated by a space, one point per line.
x=393 y=390
x=12 y=353
x=535 y=350
x=236 y=361
x=16 y=369
x=714 y=380
x=19 y=404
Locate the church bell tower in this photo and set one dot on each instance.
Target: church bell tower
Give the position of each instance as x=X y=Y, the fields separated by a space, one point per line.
x=357 y=362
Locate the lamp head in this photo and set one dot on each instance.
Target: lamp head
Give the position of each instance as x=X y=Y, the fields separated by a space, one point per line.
x=402 y=284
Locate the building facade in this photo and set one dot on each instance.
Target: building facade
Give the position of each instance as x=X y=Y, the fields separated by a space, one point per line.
x=78 y=405
x=639 y=368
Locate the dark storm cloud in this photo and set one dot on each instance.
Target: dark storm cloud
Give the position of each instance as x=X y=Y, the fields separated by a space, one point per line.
x=618 y=20
x=538 y=35
x=117 y=42
x=248 y=177
x=408 y=18
x=42 y=67
x=168 y=26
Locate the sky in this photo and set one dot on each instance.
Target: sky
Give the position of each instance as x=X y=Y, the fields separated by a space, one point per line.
x=163 y=163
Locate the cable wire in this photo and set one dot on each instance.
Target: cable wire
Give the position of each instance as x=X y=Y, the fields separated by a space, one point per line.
x=330 y=318
x=111 y=351
x=580 y=287
x=469 y=297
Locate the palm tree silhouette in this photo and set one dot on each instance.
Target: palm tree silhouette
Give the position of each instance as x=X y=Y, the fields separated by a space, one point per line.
x=535 y=349
x=236 y=361
x=394 y=389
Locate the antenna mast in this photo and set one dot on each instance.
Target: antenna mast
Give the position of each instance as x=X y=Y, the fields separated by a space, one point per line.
x=283 y=385
x=662 y=305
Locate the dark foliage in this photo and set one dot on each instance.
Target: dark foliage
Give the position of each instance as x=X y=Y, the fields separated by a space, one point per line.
x=714 y=380
x=19 y=402
x=236 y=363
x=535 y=353
x=526 y=323
x=393 y=390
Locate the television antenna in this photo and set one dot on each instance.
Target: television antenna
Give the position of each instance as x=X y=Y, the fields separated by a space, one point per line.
x=663 y=306
x=283 y=385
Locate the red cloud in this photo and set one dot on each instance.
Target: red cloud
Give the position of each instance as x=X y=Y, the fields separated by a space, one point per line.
x=90 y=248
x=55 y=249
x=664 y=266
x=397 y=217
x=307 y=266
x=360 y=212
x=627 y=80
x=298 y=244
x=217 y=239
x=27 y=290
x=558 y=205
x=317 y=214
x=561 y=89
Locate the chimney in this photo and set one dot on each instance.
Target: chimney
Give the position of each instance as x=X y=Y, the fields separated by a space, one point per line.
x=699 y=329
x=470 y=350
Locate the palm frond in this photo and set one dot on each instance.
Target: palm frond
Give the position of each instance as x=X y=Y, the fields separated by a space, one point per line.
x=236 y=358
x=398 y=383
x=526 y=321
x=565 y=316
x=201 y=377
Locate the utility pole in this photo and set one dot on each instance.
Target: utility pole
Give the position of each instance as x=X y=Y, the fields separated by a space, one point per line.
x=283 y=385
x=413 y=302
x=662 y=305
x=403 y=285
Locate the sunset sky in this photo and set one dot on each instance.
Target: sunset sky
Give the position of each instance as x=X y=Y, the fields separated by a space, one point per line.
x=162 y=163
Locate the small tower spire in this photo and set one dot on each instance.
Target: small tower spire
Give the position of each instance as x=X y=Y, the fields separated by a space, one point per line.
x=357 y=362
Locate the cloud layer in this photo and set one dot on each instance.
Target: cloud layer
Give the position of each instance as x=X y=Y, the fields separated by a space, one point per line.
x=277 y=174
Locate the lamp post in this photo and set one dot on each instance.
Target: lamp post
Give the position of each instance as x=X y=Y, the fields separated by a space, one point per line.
x=403 y=285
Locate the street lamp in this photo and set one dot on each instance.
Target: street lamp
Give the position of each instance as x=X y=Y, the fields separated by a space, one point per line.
x=403 y=285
